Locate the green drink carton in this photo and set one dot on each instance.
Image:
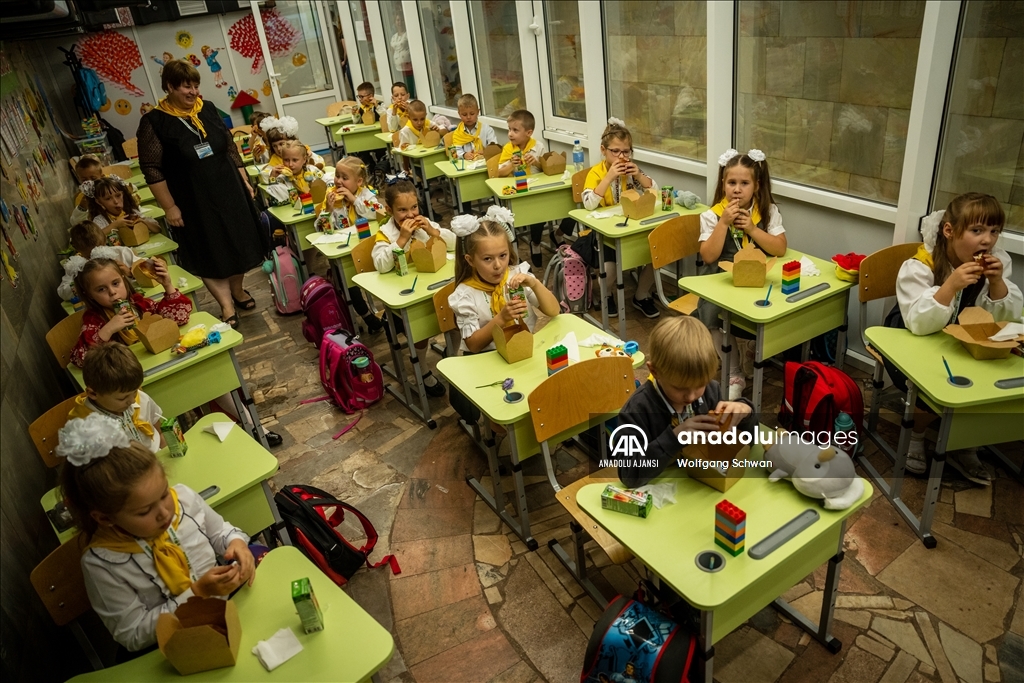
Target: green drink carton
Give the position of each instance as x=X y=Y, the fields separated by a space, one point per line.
x=174 y=437
x=626 y=501
x=307 y=606
x=401 y=262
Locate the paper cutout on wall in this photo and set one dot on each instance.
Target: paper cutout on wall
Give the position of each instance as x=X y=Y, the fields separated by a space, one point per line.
x=252 y=91
x=113 y=56
x=184 y=39
x=281 y=37
x=195 y=60
x=211 y=61
x=298 y=59
x=232 y=93
x=145 y=108
x=123 y=107
x=12 y=274
x=266 y=87
x=106 y=105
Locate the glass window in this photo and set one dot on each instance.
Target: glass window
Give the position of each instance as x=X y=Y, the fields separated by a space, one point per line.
x=824 y=89
x=303 y=67
x=363 y=47
x=499 y=58
x=439 y=46
x=398 y=45
x=565 y=59
x=982 y=147
x=656 y=54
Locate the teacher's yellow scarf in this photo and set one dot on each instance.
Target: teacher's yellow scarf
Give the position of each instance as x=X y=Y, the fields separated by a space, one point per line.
x=509 y=149
x=172 y=565
x=427 y=123
x=755 y=215
x=190 y=114
x=462 y=137
x=497 y=292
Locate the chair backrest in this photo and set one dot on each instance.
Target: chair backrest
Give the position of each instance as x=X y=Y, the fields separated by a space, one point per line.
x=122 y=171
x=59 y=582
x=445 y=314
x=492 y=166
x=63 y=336
x=879 y=270
x=578 y=181
x=554 y=405
x=362 y=255
x=673 y=240
x=318 y=191
x=44 y=428
x=447 y=140
x=334 y=108
x=131 y=148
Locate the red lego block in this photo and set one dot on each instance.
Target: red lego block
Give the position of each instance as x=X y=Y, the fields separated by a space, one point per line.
x=730 y=512
x=791 y=267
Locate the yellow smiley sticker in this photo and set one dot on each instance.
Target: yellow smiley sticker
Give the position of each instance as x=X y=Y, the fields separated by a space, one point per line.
x=106 y=105
x=183 y=38
x=299 y=59
x=123 y=107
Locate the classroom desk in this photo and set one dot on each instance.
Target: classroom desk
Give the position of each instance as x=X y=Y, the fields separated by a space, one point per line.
x=195 y=380
x=156 y=292
x=138 y=180
x=631 y=247
x=417 y=313
x=133 y=163
x=352 y=646
x=425 y=160
x=468 y=374
x=157 y=245
x=300 y=226
x=468 y=185
x=548 y=199
x=358 y=137
x=337 y=252
x=239 y=467
x=146 y=196
x=669 y=540
x=782 y=325
x=975 y=416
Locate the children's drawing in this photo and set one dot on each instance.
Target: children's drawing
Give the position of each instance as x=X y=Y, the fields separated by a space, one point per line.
x=211 y=60
x=194 y=60
x=166 y=57
x=184 y=39
x=266 y=87
x=282 y=36
x=113 y=56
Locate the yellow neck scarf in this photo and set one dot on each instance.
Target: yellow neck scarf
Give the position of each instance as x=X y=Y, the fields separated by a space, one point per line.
x=172 y=565
x=427 y=123
x=509 y=150
x=611 y=196
x=82 y=410
x=299 y=181
x=462 y=137
x=126 y=335
x=925 y=256
x=191 y=114
x=497 y=291
x=755 y=216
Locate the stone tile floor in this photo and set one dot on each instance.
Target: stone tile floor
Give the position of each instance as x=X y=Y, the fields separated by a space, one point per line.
x=472 y=604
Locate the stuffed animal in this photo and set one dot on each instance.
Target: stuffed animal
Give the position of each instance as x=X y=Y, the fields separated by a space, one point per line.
x=816 y=472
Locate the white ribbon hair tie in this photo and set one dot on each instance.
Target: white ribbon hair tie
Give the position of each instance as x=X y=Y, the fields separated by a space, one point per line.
x=88 y=188
x=612 y=121
x=930 y=228
x=464 y=225
x=727 y=156
x=83 y=440
x=756 y=155
x=73 y=266
x=501 y=215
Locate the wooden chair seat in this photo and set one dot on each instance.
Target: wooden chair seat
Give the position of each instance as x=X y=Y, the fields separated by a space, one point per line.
x=567 y=499
x=63 y=336
x=686 y=304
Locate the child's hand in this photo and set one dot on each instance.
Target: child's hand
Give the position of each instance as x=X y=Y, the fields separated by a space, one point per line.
x=163 y=275
x=743 y=221
x=330 y=200
x=731 y=413
x=277 y=170
x=408 y=228
x=525 y=279
x=424 y=223
x=239 y=552
x=731 y=212
x=630 y=168
x=531 y=159
x=697 y=423
x=218 y=581
x=125 y=318
x=405 y=145
x=993 y=268
x=967 y=274
x=345 y=193
x=469 y=156
x=617 y=169
x=516 y=309
x=118 y=224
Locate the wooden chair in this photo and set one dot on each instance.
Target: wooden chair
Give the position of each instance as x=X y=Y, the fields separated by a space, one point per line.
x=492 y=166
x=578 y=181
x=318 y=192
x=446 y=318
x=447 y=140
x=555 y=411
x=131 y=148
x=63 y=336
x=362 y=259
x=122 y=171
x=671 y=242
x=44 y=428
x=334 y=109
x=60 y=585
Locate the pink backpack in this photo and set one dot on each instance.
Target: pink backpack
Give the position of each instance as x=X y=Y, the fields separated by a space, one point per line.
x=570 y=281
x=350 y=388
x=324 y=309
x=283 y=269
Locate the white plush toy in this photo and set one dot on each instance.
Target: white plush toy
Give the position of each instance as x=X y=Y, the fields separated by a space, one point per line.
x=824 y=473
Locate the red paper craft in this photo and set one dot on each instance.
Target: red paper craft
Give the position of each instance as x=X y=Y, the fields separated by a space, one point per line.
x=281 y=37
x=114 y=57
x=849 y=261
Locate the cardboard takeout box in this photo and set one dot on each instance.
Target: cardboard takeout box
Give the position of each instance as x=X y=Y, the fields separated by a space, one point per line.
x=514 y=343
x=749 y=267
x=202 y=634
x=428 y=257
x=156 y=332
x=975 y=328
x=635 y=205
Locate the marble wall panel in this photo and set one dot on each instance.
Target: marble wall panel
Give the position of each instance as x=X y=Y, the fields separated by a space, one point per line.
x=879 y=72
x=784 y=68
x=976 y=77
x=858 y=139
x=835 y=19
x=823 y=68
x=808 y=131
x=1009 y=98
x=896 y=127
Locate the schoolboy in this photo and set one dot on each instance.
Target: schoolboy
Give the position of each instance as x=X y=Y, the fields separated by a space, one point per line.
x=523 y=150
x=412 y=133
x=89 y=168
x=113 y=376
x=682 y=361
x=471 y=135
x=367 y=99
x=399 y=106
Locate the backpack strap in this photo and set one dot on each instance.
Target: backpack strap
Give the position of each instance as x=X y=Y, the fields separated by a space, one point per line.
x=371 y=541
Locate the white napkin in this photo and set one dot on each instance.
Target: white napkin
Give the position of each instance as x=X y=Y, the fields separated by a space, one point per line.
x=475 y=164
x=1008 y=333
x=219 y=429
x=597 y=339
x=324 y=238
x=277 y=649
x=182 y=282
x=566 y=175
x=661 y=494
x=450 y=256
x=221 y=327
x=607 y=213
x=572 y=348
x=807 y=267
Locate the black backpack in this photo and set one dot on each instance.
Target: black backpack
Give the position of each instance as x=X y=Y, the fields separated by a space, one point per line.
x=304 y=510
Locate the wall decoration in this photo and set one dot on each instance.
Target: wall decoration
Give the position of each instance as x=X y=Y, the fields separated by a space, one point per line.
x=163 y=59
x=114 y=56
x=266 y=88
x=232 y=93
x=194 y=60
x=211 y=60
x=184 y=39
x=282 y=36
x=145 y=108
x=298 y=59
x=123 y=107
x=252 y=91
x=12 y=274
x=106 y=105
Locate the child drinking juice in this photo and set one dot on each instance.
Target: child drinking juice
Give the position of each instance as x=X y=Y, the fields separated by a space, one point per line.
x=151 y=546
x=744 y=212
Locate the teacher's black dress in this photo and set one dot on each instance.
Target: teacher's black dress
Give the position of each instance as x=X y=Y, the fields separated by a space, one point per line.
x=221 y=235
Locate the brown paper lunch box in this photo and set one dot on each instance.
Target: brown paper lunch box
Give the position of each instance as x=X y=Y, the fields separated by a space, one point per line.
x=975 y=328
x=202 y=634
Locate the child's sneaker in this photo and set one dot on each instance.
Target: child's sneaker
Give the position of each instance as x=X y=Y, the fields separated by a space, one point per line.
x=646 y=306
x=916 y=461
x=613 y=307
x=966 y=462
x=737 y=383
x=433 y=388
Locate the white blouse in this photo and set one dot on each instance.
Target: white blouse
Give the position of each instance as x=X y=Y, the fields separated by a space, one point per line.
x=487 y=137
x=383 y=256
x=367 y=205
x=922 y=314
x=125 y=589
x=472 y=308
x=709 y=219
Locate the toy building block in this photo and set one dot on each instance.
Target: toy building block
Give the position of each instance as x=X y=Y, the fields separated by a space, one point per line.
x=730 y=528
x=791 y=277
x=557 y=359
x=363 y=227
x=521 y=183
x=307 y=202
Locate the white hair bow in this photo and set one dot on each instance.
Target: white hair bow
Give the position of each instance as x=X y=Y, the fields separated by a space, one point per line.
x=930 y=228
x=499 y=214
x=88 y=188
x=612 y=121
x=727 y=156
x=286 y=124
x=83 y=440
x=756 y=155
x=464 y=225
x=73 y=266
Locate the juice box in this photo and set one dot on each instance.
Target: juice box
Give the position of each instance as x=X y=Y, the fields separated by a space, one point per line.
x=175 y=438
x=307 y=606
x=401 y=262
x=122 y=305
x=666 y=197
x=626 y=501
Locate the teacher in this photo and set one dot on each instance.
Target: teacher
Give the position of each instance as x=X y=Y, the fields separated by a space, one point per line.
x=196 y=174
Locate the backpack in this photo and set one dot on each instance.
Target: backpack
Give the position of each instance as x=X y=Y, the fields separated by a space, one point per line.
x=633 y=642
x=93 y=93
x=569 y=281
x=312 y=517
x=814 y=394
x=285 y=286
x=324 y=309
x=341 y=378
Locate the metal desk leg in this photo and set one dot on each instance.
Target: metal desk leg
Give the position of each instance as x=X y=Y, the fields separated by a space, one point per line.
x=497 y=502
x=424 y=409
x=758 y=370
x=726 y=349
x=330 y=145
x=519 y=501
x=706 y=651
x=841 y=339
x=621 y=288
x=822 y=630
x=426 y=187
x=339 y=279
x=248 y=404
x=279 y=527
x=578 y=569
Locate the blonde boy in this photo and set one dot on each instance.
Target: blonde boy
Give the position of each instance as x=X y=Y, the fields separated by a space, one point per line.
x=523 y=150
x=471 y=135
x=412 y=132
x=679 y=397
x=399 y=106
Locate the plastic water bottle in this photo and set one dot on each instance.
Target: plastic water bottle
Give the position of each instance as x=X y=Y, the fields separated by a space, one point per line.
x=848 y=442
x=577 y=156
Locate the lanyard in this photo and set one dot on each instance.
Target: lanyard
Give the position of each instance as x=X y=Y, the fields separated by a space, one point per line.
x=956 y=307
x=191 y=128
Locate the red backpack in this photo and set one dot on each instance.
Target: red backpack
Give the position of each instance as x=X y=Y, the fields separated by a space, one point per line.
x=324 y=309
x=815 y=394
x=350 y=388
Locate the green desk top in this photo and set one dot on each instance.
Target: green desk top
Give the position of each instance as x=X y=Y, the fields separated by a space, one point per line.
x=338 y=249
x=669 y=539
x=352 y=646
x=152 y=211
x=498 y=184
x=158 y=244
x=420 y=152
x=920 y=358
x=384 y=137
x=145 y=195
x=138 y=180
x=448 y=168
x=386 y=286
x=609 y=226
x=469 y=373
x=354 y=128
x=192 y=283
x=287 y=215
x=133 y=163
x=347 y=122
x=228 y=341
x=718 y=289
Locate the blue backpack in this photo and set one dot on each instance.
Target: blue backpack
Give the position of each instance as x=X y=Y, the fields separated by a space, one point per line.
x=94 y=93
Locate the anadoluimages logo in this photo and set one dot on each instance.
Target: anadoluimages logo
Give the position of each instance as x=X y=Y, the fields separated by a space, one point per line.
x=627 y=441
